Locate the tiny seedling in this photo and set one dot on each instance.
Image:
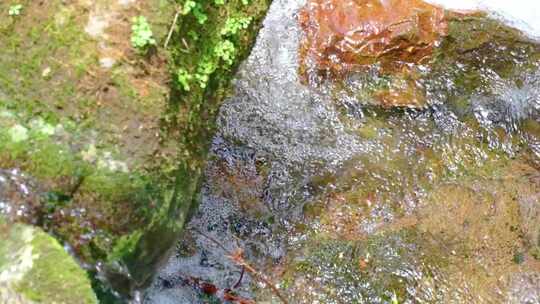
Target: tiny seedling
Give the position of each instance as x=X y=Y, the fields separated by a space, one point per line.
x=394 y=298
x=141 y=34
x=191 y=6
x=184 y=78
x=188 y=6
x=233 y=25
x=15 y=10
x=199 y=14
x=206 y=67
x=226 y=51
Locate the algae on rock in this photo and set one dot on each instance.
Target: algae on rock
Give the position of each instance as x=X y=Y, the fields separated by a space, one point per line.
x=89 y=135
x=35 y=268
x=191 y=116
x=117 y=157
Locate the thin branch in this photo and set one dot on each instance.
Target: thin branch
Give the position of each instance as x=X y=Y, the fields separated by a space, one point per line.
x=240 y=279
x=238 y=257
x=212 y=239
x=175 y=20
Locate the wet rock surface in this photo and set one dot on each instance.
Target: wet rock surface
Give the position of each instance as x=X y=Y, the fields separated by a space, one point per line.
x=339 y=201
x=19 y=197
x=405 y=53
x=343 y=36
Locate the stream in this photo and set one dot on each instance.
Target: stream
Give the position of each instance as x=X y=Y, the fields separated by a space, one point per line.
x=338 y=201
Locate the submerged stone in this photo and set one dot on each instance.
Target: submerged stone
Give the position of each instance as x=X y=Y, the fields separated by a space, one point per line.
x=408 y=206
x=344 y=35
x=407 y=53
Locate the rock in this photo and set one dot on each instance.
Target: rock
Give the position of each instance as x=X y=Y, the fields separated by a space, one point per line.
x=529 y=203
x=477 y=222
x=523 y=14
x=34 y=268
x=407 y=53
x=524 y=288
x=119 y=172
x=107 y=62
x=19 y=197
x=342 y=36
x=401 y=92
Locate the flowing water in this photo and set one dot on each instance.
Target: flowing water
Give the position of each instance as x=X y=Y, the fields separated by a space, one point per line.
x=339 y=202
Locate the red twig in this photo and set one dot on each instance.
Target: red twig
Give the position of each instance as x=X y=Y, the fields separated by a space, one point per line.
x=240 y=278
x=238 y=257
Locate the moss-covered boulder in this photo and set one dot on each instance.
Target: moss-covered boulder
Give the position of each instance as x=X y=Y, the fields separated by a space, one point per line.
x=35 y=268
x=114 y=130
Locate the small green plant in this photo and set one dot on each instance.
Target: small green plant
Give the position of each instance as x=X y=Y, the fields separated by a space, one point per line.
x=206 y=67
x=188 y=6
x=226 y=51
x=15 y=10
x=519 y=258
x=184 y=78
x=191 y=6
x=141 y=34
x=199 y=14
x=233 y=25
x=193 y=35
x=223 y=51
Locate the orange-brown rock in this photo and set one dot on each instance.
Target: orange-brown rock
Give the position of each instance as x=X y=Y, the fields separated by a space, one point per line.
x=345 y=35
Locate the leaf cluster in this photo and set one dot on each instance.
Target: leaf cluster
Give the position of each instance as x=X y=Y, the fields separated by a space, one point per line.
x=15 y=10
x=142 y=37
x=222 y=50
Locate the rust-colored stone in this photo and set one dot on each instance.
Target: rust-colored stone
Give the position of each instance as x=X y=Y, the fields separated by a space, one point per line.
x=345 y=35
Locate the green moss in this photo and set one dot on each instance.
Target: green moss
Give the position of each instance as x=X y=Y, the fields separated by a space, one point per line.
x=55 y=277
x=105 y=194
x=38 y=269
x=30 y=47
x=124 y=246
x=195 y=110
x=190 y=118
x=48 y=68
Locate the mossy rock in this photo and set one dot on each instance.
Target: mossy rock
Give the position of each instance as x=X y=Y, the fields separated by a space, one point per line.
x=123 y=147
x=35 y=268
